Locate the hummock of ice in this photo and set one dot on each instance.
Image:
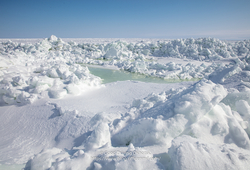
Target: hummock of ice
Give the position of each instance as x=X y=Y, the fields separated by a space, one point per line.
x=30 y=71
x=204 y=126
x=34 y=71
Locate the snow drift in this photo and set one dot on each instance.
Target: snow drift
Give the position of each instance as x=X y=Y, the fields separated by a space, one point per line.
x=193 y=128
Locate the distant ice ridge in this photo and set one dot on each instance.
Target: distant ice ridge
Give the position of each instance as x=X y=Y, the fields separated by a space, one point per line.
x=201 y=127
x=52 y=66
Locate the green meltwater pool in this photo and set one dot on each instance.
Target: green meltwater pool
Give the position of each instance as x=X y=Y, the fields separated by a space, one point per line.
x=109 y=75
x=12 y=167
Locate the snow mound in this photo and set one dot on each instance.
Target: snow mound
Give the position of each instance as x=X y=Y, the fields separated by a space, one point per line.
x=191 y=153
x=158 y=119
x=194 y=125
x=132 y=158
x=35 y=71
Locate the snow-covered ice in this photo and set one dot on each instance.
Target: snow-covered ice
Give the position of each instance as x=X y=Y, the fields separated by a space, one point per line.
x=57 y=113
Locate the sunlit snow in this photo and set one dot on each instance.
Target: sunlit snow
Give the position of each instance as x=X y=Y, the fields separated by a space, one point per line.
x=124 y=104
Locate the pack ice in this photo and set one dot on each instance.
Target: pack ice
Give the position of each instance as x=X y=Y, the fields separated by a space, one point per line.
x=56 y=115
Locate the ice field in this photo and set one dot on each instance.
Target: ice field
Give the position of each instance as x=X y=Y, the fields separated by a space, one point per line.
x=124 y=104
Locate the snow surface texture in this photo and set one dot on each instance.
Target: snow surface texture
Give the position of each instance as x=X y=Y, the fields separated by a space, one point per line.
x=205 y=125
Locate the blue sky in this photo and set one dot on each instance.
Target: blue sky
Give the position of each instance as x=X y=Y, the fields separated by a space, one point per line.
x=223 y=19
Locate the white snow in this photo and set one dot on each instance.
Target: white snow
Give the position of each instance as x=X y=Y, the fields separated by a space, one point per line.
x=56 y=114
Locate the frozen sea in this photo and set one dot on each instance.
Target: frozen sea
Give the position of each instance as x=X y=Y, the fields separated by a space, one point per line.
x=124 y=104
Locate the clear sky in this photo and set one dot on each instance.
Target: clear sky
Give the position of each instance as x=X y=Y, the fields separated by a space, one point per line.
x=223 y=19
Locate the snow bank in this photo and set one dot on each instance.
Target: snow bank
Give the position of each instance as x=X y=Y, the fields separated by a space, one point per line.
x=201 y=127
x=160 y=118
x=132 y=158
